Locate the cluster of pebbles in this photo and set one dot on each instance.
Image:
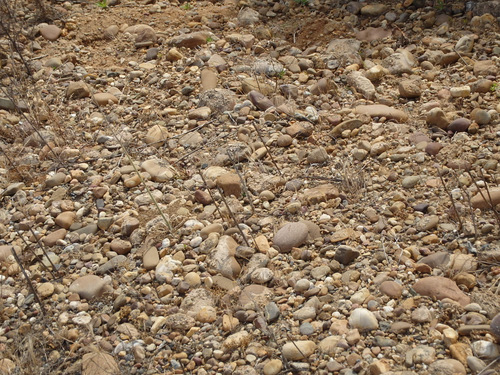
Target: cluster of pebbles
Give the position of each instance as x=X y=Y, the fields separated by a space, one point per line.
x=253 y=188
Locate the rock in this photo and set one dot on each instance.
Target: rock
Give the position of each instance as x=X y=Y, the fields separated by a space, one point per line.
x=485 y=68
x=179 y=322
x=52 y=238
x=113 y=263
x=440 y=287
x=481 y=117
x=485 y=349
x=252 y=294
x=374 y=9
x=230 y=184
x=495 y=327
x=156 y=136
x=391 y=289
x=259 y=100
x=236 y=340
x=158 y=172
x=436 y=117
x=298 y=350
x=363 y=319
x=99 y=363
x=290 y=235
x=7 y=366
x=222 y=258
x=111 y=32
x=344 y=52
x=346 y=254
x=190 y=40
x=372 y=33
x=261 y=275
x=328 y=345
x=201 y=113
x=248 y=17
x=88 y=287
x=465 y=44
x=409 y=89
x=345 y=125
x=77 y=90
x=121 y=247
x=460 y=92
x=273 y=367
x=45 y=290
x=317 y=156
x=420 y=354
x=65 y=219
x=218 y=100
x=144 y=35
x=459 y=125
x=380 y=110
x=410 y=181
x=400 y=62
x=208 y=79
x=151 y=258
x=361 y=84
x=486 y=198
x=421 y=315
x=104 y=98
x=50 y=32
x=173 y=54
x=447 y=367
x=55 y=180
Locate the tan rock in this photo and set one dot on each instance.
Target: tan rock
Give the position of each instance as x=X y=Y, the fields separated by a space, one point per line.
x=65 y=219
x=441 y=287
x=486 y=198
x=99 y=363
x=50 y=32
x=88 y=287
x=156 y=136
x=380 y=110
x=121 y=247
x=298 y=350
x=77 y=90
x=151 y=258
x=230 y=183
x=105 y=98
x=45 y=290
x=52 y=238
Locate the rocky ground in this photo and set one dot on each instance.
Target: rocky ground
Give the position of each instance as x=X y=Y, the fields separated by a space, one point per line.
x=251 y=188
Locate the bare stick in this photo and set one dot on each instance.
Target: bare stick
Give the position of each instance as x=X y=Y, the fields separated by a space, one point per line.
x=211 y=196
x=269 y=152
x=460 y=225
x=30 y=284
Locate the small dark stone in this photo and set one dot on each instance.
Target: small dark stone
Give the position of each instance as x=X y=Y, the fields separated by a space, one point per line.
x=421 y=207
x=433 y=148
x=272 y=312
x=345 y=254
x=459 y=125
x=151 y=54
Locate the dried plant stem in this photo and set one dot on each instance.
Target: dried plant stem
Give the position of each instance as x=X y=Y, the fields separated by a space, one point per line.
x=460 y=225
x=28 y=280
x=268 y=151
x=242 y=180
x=211 y=195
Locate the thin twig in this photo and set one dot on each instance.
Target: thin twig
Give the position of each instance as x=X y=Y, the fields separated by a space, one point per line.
x=268 y=152
x=460 y=225
x=30 y=284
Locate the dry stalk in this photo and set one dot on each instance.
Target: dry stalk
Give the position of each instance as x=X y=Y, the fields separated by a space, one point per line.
x=267 y=149
x=28 y=280
x=460 y=225
x=242 y=180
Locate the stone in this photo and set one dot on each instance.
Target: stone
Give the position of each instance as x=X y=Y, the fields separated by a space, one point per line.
x=420 y=354
x=290 y=235
x=400 y=62
x=459 y=350
x=104 y=98
x=156 y=136
x=298 y=350
x=440 y=287
x=121 y=247
x=218 y=100
x=272 y=367
x=421 y=315
x=328 y=345
x=201 y=113
x=363 y=319
x=486 y=198
x=222 y=258
x=236 y=340
x=230 y=184
x=460 y=92
x=345 y=125
x=344 y=52
x=173 y=54
x=158 y=172
x=485 y=68
x=391 y=289
x=437 y=117
x=410 y=181
x=151 y=258
x=99 y=363
x=179 y=322
x=361 y=84
x=380 y=110
x=208 y=79
x=55 y=180
x=65 y=219
x=459 y=125
x=409 y=89
x=50 y=32
x=190 y=40
x=111 y=32
x=88 y=287
x=465 y=44
x=481 y=117
x=52 y=238
x=495 y=326
x=346 y=254
x=373 y=33
x=447 y=367
x=77 y=90
x=260 y=100
x=485 y=349
x=317 y=156
x=248 y=16
x=254 y=294
x=45 y=290
x=374 y=9
x=7 y=366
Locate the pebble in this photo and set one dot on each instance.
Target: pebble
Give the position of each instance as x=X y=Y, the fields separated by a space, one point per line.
x=104 y=98
x=363 y=319
x=50 y=32
x=88 y=287
x=99 y=363
x=447 y=367
x=298 y=350
x=440 y=287
x=272 y=367
x=391 y=289
x=290 y=235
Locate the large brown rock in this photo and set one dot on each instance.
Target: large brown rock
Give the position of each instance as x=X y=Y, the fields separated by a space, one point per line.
x=440 y=288
x=99 y=363
x=486 y=198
